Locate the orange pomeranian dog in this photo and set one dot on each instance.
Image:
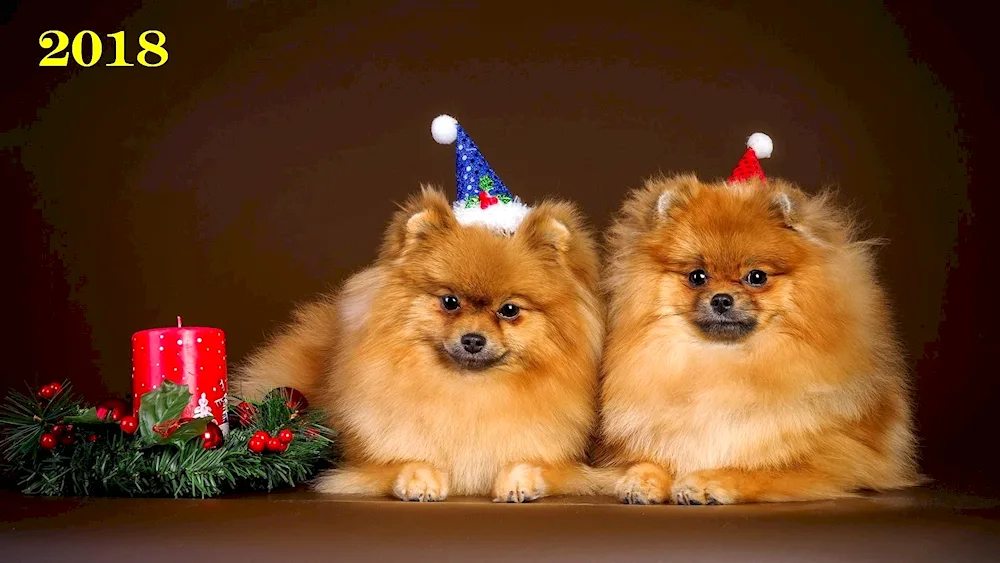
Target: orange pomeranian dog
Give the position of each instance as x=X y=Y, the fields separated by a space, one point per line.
x=750 y=355
x=463 y=362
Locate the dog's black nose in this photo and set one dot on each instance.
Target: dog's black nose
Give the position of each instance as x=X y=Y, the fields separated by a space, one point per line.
x=722 y=302
x=473 y=342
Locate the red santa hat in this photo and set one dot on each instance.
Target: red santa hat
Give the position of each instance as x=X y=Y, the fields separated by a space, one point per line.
x=759 y=146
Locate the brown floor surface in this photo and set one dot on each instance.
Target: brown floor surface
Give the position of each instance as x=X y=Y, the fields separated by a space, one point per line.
x=918 y=525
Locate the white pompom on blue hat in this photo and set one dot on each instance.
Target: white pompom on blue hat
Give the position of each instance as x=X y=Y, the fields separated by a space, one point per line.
x=481 y=197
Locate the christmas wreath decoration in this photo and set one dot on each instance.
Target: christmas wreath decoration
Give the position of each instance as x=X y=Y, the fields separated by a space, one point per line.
x=54 y=444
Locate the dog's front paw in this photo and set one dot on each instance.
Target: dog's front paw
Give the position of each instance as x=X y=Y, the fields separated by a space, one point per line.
x=522 y=482
x=643 y=483
x=420 y=482
x=705 y=487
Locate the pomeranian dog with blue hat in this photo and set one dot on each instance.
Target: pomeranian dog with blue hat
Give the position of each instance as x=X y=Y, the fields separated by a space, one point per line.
x=464 y=361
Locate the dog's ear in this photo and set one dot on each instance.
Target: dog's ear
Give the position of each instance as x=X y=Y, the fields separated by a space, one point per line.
x=422 y=217
x=789 y=202
x=815 y=217
x=543 y=229
x=559 y=232
x=667 y=194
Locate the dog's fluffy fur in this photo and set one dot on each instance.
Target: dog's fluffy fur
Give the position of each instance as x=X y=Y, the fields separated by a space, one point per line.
x=414 y=419
x=804 y=398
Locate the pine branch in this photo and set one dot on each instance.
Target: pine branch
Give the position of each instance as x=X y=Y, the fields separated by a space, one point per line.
x=119 y=464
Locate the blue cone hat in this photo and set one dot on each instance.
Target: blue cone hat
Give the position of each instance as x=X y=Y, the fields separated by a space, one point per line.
x=481 y=196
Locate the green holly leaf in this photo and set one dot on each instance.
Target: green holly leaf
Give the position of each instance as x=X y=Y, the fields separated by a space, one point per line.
x=88 y=416
x=504 y=198
x=485 y=183
x=161 y=405
x=472 y=202
x=186 y=431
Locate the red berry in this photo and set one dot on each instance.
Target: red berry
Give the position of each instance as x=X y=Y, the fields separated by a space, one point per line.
x=247 y=412
x=129 y=424
x=274 y=445
x=47 y=392
x=285 y=436
x=262 y=436
x=294 y=398
x=113 y=408
x=56 y=387
x=48 y=441
x=212 y=436
x=66 y=439
x=283 y=447
x=256 y=445
x=58 y=429
x=92 y=438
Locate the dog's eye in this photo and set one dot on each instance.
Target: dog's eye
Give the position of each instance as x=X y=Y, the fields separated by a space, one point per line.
x=756 y=278
x=509 y=311
x=450 y=303
x=698 y=277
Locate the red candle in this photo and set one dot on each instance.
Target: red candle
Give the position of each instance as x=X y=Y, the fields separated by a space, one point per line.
x=186 y=355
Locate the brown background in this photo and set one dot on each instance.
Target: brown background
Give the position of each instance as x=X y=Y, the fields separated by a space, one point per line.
x=260 y=164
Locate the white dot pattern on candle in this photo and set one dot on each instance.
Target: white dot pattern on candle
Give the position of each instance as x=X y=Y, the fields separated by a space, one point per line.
x=161 y=348
x=180 y=342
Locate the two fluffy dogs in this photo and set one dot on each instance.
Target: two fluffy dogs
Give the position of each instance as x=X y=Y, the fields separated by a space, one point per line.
x=736 y=348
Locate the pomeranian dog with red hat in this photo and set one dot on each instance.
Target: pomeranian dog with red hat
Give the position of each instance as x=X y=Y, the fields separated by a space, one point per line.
x=751 y=355
x=464 y=361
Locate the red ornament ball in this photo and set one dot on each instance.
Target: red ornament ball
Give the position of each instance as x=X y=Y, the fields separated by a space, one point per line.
x=285 y=436
x=274 y=445
x=48 y=441
x=256 y=445
x=47 y=392
x=262 y=436
x=113 y=409
x=212 y=436
x=293 y=398
x=247 y=412
x=129 y=424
